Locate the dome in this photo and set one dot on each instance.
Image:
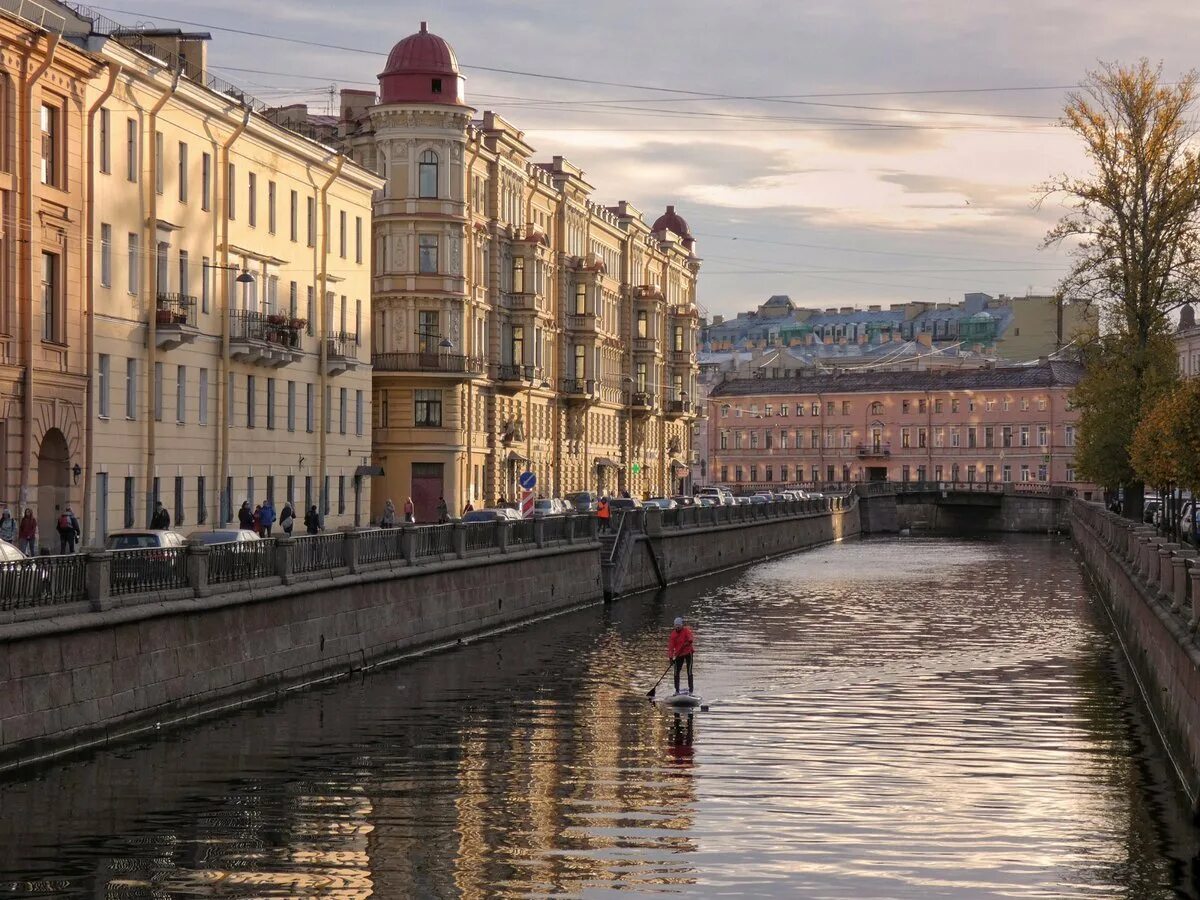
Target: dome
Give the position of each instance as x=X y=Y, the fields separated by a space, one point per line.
x=421 y=69
x=672 y=221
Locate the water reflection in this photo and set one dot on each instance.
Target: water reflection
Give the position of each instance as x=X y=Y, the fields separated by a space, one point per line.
x=889 y=719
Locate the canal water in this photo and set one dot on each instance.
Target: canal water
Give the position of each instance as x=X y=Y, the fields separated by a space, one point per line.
x=888 y=718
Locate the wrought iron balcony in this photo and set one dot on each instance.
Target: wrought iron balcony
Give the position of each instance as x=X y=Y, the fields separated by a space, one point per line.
x=577 y=388
x=677 y=408
x=341 y=352
x=867 y=451
x=642 y=401
x=174 y=320
x=268 y=339
x=434 y=363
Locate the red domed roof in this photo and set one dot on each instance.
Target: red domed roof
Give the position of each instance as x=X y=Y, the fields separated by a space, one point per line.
x=672 y=221
x=421 y=69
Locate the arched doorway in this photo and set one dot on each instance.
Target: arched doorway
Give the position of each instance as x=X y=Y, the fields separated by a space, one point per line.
x=54 y=484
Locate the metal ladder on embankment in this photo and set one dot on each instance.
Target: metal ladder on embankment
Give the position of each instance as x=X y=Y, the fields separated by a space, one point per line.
x=616 y=550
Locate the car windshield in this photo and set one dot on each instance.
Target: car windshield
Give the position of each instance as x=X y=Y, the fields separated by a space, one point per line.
x=214 y=537
x=133 y=541
x=481 y=515
x=543 y=504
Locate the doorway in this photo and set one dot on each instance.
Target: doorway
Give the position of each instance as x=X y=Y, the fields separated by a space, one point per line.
x=427 y=486
x=877 y=473
x=54 y=485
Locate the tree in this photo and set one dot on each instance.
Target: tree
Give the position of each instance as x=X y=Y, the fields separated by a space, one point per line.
x=1166 y=446
x=1135 y=228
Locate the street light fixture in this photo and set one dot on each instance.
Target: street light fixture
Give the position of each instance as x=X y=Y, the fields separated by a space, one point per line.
x=244 y=278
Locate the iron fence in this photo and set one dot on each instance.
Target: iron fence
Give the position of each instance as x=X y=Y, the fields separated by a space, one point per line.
x=42 y=581
x=319 y=552
x=521 y=533
x=380 y=546
x=480 y=536
x=556 y=529
x=150 y=569
x=433 y=540
x=241 y=561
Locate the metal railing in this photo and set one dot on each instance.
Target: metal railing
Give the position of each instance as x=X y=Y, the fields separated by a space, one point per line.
x=175 y=309
x=433 y=540
x=150 y=569
x=557 y=529
x=521 y=533
x=642 y=400
x=510 y=372
x=42 y=581
x=271 y=328
x=450 y=363
x=383 y=545
x=342 y=345
x=585 y=386
x=319 y=552
x=242 y=561
x=480 y=537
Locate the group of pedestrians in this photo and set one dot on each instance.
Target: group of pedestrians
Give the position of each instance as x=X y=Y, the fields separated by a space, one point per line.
x=261 y=519
x=25 y=534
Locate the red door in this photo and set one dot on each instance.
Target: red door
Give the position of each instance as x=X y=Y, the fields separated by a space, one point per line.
x=426 y=489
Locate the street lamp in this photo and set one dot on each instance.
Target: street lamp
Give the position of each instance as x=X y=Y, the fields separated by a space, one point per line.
x=244 y=278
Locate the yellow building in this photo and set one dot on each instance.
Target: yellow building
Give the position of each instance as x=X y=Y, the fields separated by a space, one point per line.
x=518 y=324
x=230 y=271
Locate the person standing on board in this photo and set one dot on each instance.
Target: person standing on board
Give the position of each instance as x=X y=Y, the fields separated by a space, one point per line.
x=680 y=647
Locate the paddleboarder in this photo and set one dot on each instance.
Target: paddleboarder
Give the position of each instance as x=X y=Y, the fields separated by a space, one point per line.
x=680 y=647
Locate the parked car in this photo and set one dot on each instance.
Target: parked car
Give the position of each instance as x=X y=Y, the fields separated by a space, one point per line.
x=550 y=506
x=741 y=501
x=1150 y=506
x=723 y=496
x=757 y=499
x=624 y=503
x=682 y=500
x=583 y=501
x=142 y=539
x=662 y=503
x=491 y=515
x=707 y=501
x=222 y=536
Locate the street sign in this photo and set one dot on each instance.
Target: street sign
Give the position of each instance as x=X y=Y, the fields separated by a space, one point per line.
x=528 y=481
x=527 y=503
x=636 y=468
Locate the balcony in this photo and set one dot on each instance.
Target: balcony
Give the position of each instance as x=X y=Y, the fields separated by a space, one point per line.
x=682 y=358
x=677 y=409
x=577 y=389
x=450 y=364
x=642 y=402
x=874 y=451
x=526 y=300
x=341 y=352
x=645 y=345
x=584 y=323
x=265 y=339
x=512 y=377
x=174 y=320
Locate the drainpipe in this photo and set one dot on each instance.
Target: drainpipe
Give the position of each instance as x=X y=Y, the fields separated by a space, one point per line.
x=25 y=265
x=323 y=249
x=114 y=72
x=221 y=177
x=150 y=190
x=469 y=347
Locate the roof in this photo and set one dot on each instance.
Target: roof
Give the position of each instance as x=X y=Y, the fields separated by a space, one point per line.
x=421 y=68
x=672 y=221
x=1041 y=375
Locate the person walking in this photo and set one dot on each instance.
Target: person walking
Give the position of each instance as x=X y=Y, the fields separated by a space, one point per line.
x=8 y=527
x=410 y=512
x=603 y=513
x=256 y=520
x=443 y=511
x=266 y=518
x=68 y=530
x=27 y=533
x=388 y=519
x=246 y=516
x=312 y=520
x=287 y=518
x=680 y=647
x=501 y=502
x=470 y=507
x=161 y=520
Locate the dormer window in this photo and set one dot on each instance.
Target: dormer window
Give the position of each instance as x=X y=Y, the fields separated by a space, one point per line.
x=435 y=86
x=428 y=175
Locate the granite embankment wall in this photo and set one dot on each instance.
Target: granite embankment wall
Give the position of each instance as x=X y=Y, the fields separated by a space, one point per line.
x=1151 y=589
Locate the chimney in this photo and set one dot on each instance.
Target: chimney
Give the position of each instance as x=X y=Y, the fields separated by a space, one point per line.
x=847 y=309
x=875 y=308
x=355 y=104
x=925 y=340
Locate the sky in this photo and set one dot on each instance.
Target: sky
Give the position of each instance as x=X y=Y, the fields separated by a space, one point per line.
x=842 y=153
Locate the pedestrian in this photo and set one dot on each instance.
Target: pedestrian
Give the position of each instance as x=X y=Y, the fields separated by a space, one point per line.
x=501 y=502
x=287 y=518
x=27 y=533
x=245 y=516
x=388 y=519
x=68 y=530
x=161 y=520
x=8 y=527
x=312 y=520
x=443 y=511
x=410 y=512
x=256 y=520
x=603 y=513
x=470 y=507
x=625 y=494
x=680 y=647
x=266 y=518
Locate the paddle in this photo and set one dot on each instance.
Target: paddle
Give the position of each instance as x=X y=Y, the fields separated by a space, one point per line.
x=650 y=693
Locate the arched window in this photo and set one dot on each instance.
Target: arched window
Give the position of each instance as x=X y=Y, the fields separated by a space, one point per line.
x=876 y=408
x=428 y=182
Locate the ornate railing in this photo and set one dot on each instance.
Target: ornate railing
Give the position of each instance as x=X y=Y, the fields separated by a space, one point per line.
x=521 y=533
x=642 y=400
x=342 y=345
x=175 y=309
x=318 y=552
x=241 y=561
x=42 y=581
x=480 y=537
x=271 y=328
x=433 y=540
x=450 y=363
x=149 y=569
x=584 y=386
x=510 y=372
x=384 y=545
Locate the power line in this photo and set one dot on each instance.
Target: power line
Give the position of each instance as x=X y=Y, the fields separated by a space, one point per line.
x=850 y=249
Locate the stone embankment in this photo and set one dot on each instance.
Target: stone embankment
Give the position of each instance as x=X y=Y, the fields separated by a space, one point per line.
x=1151 y=588
x=105 y=645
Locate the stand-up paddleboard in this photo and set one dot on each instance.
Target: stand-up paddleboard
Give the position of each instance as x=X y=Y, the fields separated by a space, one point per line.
x=683 y=701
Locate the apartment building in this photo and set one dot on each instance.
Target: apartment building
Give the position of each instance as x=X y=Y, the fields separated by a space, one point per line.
x=995 y=424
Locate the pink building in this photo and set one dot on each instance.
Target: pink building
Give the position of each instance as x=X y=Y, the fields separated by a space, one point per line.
x=1002 y=424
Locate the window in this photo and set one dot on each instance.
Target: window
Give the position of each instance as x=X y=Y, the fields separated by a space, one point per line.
x=581 y=299
x=357 y=323
x=754 y=440
x=52 y=146
x=206 y=181
x=1069 y=436
x=754 y=473
x=1025 y=476
x=201 y=505
x=989 y=436
x=181 y=394
x=737 y=473
x=294 y=217
x=270 y=404
x=130 y=499
x=359 y=411
x=1070 y=473
x=848 y=438
x=325 y=496
x=783 y=440
x=518 y=275
x=428 y=175
x=178 y=500
x=310 y=310
x=131 y=149
x=271 y=207
x=954 y=406
x=846 y=407
x=830 y=407
x=252 y=200
x=1024 y=435
x=1024 y=403
x=342 y=234
x=52 y=300
x=816 y=408
x=939 y=437
x=183 y=274
x=1042 y=473
x=1041 y=403
x=342 y=410
x=183 y=172
x=643 y=323
x=971 y=437
x=937 y=406
x=358 y=239
x=231 y=190
x=230 y=398
x=159 y=155
x=921 y=407
x=202 y=411
x=312 y=221
x=205 y=276
x=135 y=263
x=921 y=440
x=328 y=409
x=517 y=345
x=428 y=254
x=954 y=440
x=291 y=409
x=677 y=344
x=783 y=409
x=724 y=440
x=814 y=439
x=1006 y=436
x=1043 y=436
x=904 y=404
x=105 y=142
x=158 y=392
x=309 y=408
x=427 y=406
x=905 y=438
x=877 y=408
x=104 y=383
x=251 y=404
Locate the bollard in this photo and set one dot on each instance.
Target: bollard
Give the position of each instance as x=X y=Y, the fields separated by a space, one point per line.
x=96 y=575
x=350 y=543
x=539 y=531
x=1194 y=587
x=1179 y=585
x=1166 y=572
x=408 y=543
x=197 y=568
x=503 y=532
x=285 y=548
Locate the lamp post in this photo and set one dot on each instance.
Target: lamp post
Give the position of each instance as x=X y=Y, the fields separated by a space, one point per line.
x=627 y=462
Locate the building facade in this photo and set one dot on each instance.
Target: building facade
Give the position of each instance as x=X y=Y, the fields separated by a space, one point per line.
x=43 y=189
x=518 y=325
x=999 y=424
x=230 y=320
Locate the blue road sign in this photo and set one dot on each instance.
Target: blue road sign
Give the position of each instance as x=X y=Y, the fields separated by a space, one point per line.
x=527 y=480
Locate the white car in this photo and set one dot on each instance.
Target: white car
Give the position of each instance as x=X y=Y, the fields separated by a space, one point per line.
x=662 y=503
x=550 y=506
x=223 y=536
x=142 y=539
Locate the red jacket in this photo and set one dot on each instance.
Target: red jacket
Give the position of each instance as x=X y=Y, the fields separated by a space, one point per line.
x=680 y=643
